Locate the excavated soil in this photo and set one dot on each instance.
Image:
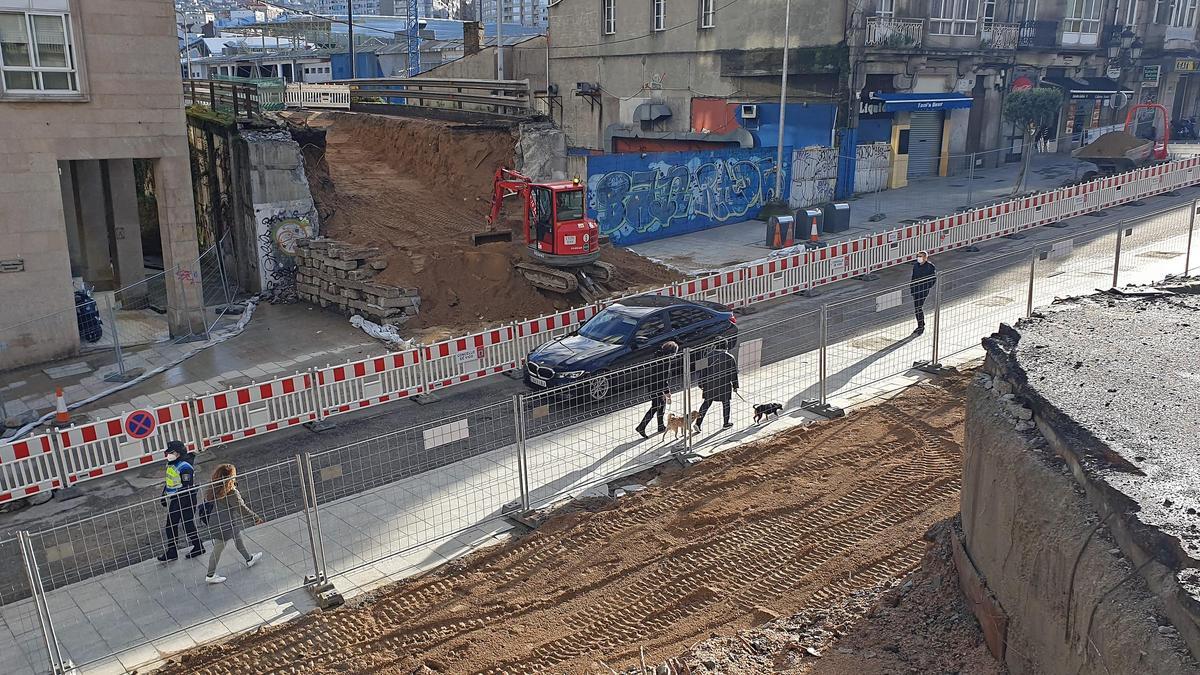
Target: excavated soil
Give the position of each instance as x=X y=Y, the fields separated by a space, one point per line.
x=796 y=522
x=418 y=189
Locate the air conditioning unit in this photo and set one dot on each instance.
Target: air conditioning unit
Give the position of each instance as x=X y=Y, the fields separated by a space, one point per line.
x=749 y=111
x=586 y=89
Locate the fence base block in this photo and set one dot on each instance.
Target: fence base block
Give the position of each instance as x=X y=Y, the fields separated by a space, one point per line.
x=127 y=376
x=1016 y=236
x=67 y=493
x=1096 y=214
x=425 y=399
x=932 y=368
x=323 y=592
x=869 y=276
x=823 y=409
x=320 y=425
x=877 y=217
x=1058 y=225
x=515 y=374
x=971 y=249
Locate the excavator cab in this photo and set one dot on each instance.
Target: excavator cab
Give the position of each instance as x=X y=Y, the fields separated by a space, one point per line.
x=558 y=231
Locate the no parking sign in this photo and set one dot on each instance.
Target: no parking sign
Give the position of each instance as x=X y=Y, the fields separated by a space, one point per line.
x=139 y=424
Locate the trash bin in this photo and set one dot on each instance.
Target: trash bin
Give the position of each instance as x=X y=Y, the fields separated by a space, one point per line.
x=805 y=218
x=781 y=232
x=837 y=216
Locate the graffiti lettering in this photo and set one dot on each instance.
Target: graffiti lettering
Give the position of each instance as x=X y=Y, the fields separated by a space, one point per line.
x=279 y=227
x=643 y=197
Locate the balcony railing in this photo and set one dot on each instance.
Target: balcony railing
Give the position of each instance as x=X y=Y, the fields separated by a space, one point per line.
x=1038 y=34
x=883 y=31
x=1000 y=36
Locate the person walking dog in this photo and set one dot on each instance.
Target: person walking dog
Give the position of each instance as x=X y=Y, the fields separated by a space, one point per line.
x=924 y=276
x=659 y=377
x=179 y=496
x=224 y=512
x=718 y=381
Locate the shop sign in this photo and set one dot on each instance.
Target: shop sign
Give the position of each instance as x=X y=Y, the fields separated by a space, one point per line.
x=1113 y=73
x=1186 y=65
x=1150 y=75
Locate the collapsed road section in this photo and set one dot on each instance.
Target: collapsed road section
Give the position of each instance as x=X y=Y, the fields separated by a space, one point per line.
x=791 y=523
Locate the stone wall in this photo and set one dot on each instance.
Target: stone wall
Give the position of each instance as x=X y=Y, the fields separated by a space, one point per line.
x=330 y=273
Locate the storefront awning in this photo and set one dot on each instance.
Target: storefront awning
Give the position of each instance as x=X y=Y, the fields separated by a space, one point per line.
x=896 y=102
x=1092 y=87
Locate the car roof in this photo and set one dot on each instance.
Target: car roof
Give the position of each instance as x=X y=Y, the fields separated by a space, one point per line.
x=649 y=302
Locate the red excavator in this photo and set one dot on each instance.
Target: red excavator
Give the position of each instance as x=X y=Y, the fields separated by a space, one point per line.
x=562 y=243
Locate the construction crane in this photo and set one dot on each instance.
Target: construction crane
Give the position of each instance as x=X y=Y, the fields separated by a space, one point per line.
x=414 y=43
x=561 y=243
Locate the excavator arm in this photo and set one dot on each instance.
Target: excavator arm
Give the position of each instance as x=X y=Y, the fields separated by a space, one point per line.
x=506 y=183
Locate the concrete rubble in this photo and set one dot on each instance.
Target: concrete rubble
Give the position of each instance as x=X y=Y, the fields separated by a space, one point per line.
x=331 y=273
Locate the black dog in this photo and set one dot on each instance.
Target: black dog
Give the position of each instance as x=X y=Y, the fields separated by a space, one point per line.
x=762 y=410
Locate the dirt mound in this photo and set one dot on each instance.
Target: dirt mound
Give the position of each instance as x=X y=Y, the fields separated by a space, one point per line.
x=1112 y=144
x=792 y=523
x=418 y=189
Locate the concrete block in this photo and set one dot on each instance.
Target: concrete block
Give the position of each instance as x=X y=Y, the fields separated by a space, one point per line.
x=383 y=291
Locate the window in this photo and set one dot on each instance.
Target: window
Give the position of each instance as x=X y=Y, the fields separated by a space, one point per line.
x=570 y=205
x=682 y=318
x=660 y=14
x=1083 y=18
x=953 y=17
x=36 y=53
x=708 y=13
x=610 y=327
x=610 y=17
x=887 y=8
x=989 y=13
x=1129 y=12
x=651 y=328
x=1183 y=14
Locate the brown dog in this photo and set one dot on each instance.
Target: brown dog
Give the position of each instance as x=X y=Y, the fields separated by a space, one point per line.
x=679 y=425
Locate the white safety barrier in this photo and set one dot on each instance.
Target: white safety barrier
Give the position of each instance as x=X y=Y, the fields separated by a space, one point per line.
x=300 y=95
x=111 y=446
x=254 y=409
x=64 y=458
x=28 y=468
x=370 y=382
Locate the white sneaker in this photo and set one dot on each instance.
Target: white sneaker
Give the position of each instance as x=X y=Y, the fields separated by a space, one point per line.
x=254 y=559
x=214 y=579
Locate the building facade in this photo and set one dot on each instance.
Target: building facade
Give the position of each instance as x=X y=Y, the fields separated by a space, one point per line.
x=680 y=74
x=78 y=107
x=516 y=12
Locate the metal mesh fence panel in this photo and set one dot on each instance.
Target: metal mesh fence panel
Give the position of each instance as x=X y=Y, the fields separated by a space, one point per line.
x=872 y=337
x=1155 y=247
x=1075 y=266
x=107 y=593
x=22 y=640
x=415 y=486
x=140 y=312
x=975 y=300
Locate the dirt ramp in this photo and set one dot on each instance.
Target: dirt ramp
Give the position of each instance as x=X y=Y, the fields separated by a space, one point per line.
x=417 y=190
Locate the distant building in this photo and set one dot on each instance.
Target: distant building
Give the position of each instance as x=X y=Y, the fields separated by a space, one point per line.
x=519 y=12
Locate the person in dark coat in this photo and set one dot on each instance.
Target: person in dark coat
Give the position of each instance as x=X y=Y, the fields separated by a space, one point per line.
x=923 y=279
x=659 y=376
x=718 y=380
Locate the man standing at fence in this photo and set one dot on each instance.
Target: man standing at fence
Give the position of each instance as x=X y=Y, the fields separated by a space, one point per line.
x=923 y=279
x=179 y=496
x=718 y=380
x=659 y=383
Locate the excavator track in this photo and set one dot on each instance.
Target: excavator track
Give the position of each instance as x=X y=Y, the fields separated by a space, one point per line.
x=601 y=272
x=549 y=278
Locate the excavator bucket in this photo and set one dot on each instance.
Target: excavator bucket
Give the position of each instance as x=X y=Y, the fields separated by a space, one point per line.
x=491 y=237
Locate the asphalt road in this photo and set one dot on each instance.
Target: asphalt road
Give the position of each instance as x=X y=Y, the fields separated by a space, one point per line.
x=384 y=444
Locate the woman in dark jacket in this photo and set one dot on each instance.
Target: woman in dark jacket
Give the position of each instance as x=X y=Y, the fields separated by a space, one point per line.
x=224 y=512
x=659 y=376
x=718 y=380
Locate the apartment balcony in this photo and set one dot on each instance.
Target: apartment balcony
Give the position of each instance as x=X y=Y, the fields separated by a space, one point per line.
x=1038 y=34
x=1001 y=36
x=888 y=32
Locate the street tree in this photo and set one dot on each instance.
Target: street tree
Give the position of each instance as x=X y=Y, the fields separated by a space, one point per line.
x=1030 y=110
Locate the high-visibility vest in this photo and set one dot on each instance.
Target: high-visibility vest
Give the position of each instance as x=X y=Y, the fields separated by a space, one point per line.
x=174 y=480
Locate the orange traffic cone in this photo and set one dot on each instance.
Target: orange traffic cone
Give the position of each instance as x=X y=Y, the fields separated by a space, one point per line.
x=777 y=241
x=812 y=236
x=61 y=416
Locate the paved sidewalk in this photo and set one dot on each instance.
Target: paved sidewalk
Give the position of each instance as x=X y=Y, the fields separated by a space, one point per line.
x=924 y=198
x=458 y=507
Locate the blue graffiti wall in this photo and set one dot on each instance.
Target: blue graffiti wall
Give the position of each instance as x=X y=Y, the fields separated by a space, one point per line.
x=641 y=197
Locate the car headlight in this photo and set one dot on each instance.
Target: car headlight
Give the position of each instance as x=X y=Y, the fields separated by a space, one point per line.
x=572 y=374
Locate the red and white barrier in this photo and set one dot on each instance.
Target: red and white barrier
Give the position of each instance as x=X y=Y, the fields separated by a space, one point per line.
x=533 y=332
x=459 y=360
x=370 y=382
x=28 y=468
x=103 y=448
x=255 y=409
x=726 y=287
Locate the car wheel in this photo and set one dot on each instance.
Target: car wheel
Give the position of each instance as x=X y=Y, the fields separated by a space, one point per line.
x=599 y=387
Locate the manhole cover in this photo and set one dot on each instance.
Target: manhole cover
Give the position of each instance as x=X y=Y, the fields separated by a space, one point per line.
x=1164 y=255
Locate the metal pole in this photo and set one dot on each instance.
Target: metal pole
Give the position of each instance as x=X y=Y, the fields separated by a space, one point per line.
x=312 y=489
x=1117 y=256
x=1029 y=297
x=350 y=32
x=36 y=591
x=971 y=181
x=937 y=315
x=787 y=18
x=522 y=466
x=116 y=338
x=687 y=398
x=1187 y=255
x=499 y=39
x=305 y=499
x=824 y=345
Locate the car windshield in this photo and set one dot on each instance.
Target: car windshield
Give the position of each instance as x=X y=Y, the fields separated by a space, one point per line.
x=570 y=205
x=610 y=327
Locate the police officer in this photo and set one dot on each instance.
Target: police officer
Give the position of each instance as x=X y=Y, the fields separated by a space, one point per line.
x=179 y=496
